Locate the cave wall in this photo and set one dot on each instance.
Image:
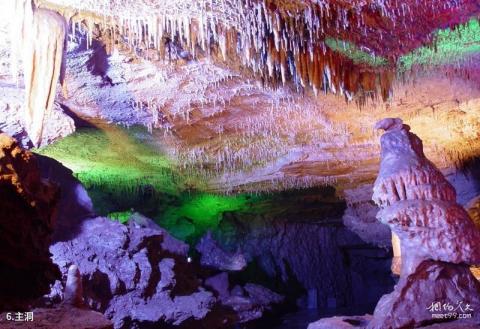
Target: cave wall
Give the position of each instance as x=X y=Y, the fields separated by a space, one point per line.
x=310 y=251
x=27 y=210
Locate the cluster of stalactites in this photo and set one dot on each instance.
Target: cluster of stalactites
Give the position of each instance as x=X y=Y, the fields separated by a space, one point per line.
x=279 y=47
x=280 y=41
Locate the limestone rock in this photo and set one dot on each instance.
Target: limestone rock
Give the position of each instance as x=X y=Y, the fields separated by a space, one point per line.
x=169 y=243
x=40 y=38
x=27 y=206
x=473 y=208
x=128 y=275
x=261 y=295
x=431 y=291
x=438 y=240
x=307 y=255
x=341 y=322
x=57 y=123
x=251 y=301
x=360 y=322
x=419 y=205
x=73 y=287
x=360 y=216
x=214 y=256
x=219 y=283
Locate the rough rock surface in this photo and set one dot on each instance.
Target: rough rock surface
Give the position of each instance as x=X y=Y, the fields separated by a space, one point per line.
x=419 y=204
x=40 y=38
x=58 y=123
x=473 y=208
x=214 y=256
x=60 y=317
x=254 y=301
x=27 y=206
x=130 y=277
x=360 y=216
x=438 y=240
x=360 y=322
x=315 y=254
x=433 y=285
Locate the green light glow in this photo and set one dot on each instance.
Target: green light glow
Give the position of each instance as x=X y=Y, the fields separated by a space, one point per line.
x=121 y=217
x=200 y=212
x=354 y=53
x=449 y=46
x=125 y=170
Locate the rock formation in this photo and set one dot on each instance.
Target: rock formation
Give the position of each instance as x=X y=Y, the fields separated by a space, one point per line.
x=39 y=35
x=138 y=275
x=419 y=204
x=311 y=255
x=73 y=287
x=438 y=240
x=27 y=207
x=129 y=276
x=214 y=256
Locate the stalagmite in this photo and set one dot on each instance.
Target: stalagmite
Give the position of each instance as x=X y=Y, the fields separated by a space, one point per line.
x=438 y=240
x=73 y=288
x=40 y=36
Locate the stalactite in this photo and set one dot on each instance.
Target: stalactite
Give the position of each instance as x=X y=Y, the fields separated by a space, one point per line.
x=42 y=42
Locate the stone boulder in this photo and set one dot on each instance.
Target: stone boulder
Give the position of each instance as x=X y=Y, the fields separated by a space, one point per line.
x=434 y=292
x=27 y=208
x=216 y=257
x=131 y=277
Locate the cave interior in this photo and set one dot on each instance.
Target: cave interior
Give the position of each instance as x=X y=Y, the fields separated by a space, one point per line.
x=247 y=164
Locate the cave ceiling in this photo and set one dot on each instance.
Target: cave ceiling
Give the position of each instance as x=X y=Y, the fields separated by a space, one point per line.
x=263 y=95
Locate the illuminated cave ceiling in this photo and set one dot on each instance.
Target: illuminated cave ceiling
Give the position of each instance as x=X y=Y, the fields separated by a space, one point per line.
x=253 y=93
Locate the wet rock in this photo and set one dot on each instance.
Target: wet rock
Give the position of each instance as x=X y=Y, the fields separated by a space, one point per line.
x=419 y=205
x=245 y=309
x=27 y=207
x=214 y=256
x=310 y=255
x=360 y=217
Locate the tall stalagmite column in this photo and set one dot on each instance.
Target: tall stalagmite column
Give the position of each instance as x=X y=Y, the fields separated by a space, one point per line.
x=39 y=39
x=438 y=239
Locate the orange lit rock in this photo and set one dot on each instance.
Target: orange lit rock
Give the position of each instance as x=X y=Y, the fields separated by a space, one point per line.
x=438 y=239
x=27 y=207
x=42 y=34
